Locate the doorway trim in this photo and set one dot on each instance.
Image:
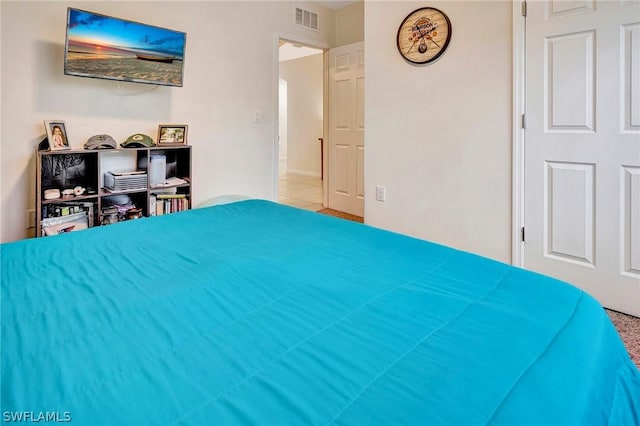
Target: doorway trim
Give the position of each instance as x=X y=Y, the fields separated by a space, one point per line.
x=518 y=121
x=276 y=101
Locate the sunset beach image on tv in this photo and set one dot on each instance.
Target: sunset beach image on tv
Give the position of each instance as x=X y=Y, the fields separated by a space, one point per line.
x=101 y=46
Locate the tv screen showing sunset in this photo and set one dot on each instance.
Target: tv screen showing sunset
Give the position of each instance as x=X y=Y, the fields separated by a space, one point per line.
x=105 y=47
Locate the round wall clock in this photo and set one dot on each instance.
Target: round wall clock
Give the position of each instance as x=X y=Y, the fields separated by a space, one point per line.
x=424 y=35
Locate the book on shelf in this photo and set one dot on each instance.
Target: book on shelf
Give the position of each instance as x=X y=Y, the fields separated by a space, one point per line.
x=165 y=204
x=170 y=196
x=152 y=205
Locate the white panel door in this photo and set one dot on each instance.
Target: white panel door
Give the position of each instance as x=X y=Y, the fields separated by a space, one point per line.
x=346 y=129
x=582 y=146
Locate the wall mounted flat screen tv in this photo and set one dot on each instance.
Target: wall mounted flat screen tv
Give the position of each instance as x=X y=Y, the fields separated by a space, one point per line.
x=100 y=46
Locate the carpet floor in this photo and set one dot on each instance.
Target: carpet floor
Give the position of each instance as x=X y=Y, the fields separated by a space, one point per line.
x=628 y=326
x=629 y=330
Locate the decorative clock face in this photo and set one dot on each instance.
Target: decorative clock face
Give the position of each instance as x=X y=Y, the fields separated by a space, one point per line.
x=424 y=35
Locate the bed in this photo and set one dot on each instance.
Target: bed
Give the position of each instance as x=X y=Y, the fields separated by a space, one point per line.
x=258 y=313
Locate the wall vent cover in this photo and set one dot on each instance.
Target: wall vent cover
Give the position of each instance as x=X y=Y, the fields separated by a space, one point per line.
x=307 y=19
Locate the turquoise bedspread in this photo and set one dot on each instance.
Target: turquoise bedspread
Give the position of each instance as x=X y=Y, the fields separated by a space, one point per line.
x=257 y=313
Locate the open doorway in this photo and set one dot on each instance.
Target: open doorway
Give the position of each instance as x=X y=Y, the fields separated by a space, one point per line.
x=301 y=125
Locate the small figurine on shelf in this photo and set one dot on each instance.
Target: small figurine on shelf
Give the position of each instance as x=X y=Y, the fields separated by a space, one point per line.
x=109 y=215
x=134 y=213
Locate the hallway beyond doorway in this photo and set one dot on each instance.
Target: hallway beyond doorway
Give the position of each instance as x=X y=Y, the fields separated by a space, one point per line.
x=300 y=191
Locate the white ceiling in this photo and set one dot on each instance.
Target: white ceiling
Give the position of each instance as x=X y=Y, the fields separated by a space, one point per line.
x=289 y=51
x=335 y=4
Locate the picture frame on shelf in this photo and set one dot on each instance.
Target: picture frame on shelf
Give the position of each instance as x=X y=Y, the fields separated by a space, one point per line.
x=172 y=134
x=57 y=135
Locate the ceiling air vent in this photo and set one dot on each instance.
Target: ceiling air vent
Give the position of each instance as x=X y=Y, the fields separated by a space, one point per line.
x=307 y=19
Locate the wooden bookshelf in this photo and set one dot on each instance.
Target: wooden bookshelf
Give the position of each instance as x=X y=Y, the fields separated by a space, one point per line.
x=68 y=169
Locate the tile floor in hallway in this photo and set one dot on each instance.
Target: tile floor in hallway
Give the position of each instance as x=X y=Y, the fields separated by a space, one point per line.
x=300 y=191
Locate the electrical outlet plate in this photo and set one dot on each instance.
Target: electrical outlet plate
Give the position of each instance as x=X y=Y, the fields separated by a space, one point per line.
x=380 y=193
x=31 y=218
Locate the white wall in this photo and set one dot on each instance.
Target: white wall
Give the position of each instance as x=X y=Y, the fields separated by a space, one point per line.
x=438 y=135
x=305 y=116
x=350 y=24
x=229 y=74
x=282 y=120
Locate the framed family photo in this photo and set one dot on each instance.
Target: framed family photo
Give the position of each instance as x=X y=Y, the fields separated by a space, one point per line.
x=172 y=134
x=57 y=135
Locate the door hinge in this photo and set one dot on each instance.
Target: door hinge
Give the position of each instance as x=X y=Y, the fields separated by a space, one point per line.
x=524 y=8
x=523 y=123
x=522 y=233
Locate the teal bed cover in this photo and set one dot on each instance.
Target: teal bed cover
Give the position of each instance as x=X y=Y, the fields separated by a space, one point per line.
x=254 y=313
